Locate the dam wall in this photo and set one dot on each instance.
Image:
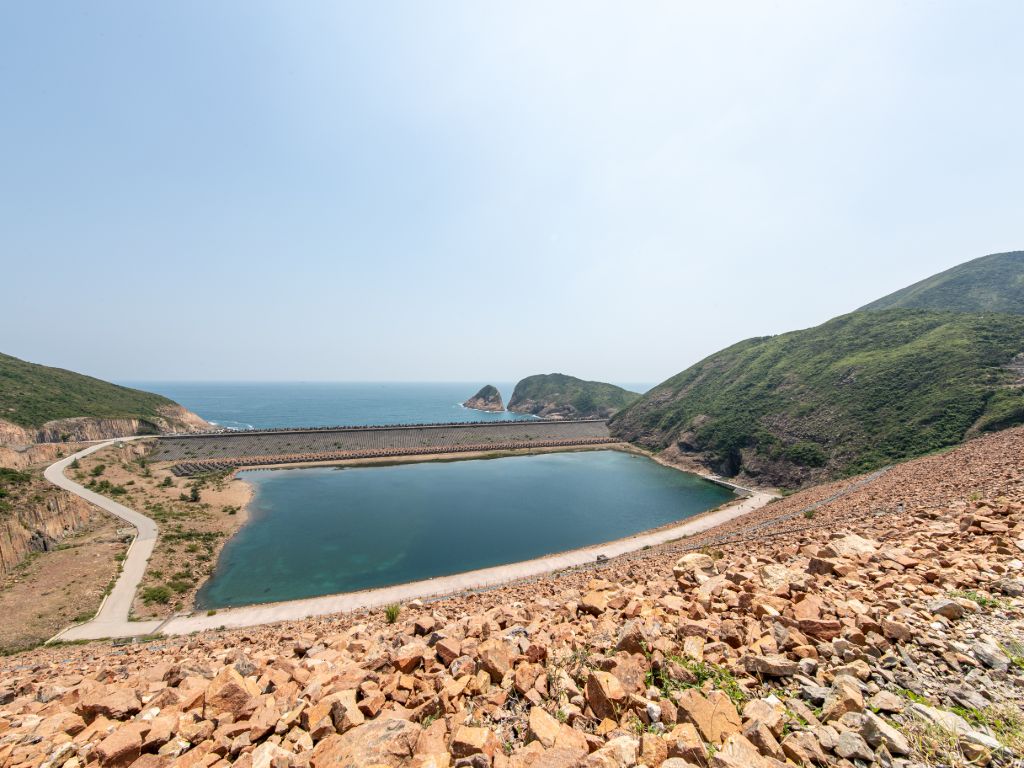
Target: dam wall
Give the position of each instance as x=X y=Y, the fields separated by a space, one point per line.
x=194 y=454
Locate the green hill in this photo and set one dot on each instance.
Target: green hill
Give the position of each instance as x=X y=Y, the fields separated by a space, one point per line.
x=31 y=395
x=558 y=395
x=990 y=284
x=855 y=393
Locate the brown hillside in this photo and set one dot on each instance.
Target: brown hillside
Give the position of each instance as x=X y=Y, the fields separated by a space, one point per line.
x=873 y=621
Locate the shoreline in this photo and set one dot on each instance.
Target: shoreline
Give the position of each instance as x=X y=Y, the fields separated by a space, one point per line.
x=457 y=583
x=109 y=626
x=681 y=527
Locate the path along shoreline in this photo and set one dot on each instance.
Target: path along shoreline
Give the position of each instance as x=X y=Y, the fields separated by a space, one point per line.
x=112 y=619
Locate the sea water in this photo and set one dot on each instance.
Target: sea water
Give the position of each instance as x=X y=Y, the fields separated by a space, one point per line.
x=259 y=405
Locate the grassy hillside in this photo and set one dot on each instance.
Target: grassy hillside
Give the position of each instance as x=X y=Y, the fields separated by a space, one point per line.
x=990 y=284
x=31 y=395
x=557 y=394
x=856 y=393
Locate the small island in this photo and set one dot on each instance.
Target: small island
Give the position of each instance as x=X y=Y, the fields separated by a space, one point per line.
x=487 y=399
x=557 y=396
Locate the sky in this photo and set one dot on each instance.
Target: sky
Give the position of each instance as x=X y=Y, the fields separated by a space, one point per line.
x=473 y=191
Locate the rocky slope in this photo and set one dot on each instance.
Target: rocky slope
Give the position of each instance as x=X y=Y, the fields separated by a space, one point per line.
x=992 y=283
x=34 y=517
x=555 y=395
x=871 y=622
x=43 y=404
x=487 y=399
x=855 y=393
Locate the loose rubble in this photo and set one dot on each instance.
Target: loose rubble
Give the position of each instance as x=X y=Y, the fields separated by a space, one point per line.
x=885 y=629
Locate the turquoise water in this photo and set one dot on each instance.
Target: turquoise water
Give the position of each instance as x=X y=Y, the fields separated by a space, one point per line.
x=319 y=531
x=260 y=405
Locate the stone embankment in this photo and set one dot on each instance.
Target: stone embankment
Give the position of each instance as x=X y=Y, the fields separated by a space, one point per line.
x=189 y=468
x=205 y=453
x=874 y=622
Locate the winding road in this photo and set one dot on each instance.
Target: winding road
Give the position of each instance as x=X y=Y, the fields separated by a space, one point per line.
x=112 y=619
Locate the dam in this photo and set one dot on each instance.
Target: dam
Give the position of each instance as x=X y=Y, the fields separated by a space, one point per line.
x=213 y=452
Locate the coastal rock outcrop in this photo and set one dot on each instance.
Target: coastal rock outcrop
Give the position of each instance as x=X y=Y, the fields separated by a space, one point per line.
x=40 y=404
x=170 y=419
x=487 y=399
x=557 y=396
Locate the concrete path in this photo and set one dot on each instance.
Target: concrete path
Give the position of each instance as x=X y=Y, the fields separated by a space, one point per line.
x=112 y=618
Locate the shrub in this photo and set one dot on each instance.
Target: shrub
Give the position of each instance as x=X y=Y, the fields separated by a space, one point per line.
x=159 y=594
x=97 y=470
x=391 y=612
x=806 y=454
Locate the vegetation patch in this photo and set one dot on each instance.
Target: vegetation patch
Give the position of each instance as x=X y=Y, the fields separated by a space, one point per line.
x=31 y=395
x=857 y=393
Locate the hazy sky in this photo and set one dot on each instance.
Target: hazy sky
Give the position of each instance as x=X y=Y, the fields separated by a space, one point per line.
x=474 y=191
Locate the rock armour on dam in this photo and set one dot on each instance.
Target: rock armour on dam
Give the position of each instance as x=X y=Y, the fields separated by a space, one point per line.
x=411 y=439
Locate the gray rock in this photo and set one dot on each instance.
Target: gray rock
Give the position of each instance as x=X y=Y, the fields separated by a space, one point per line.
x=991 y=655
x=815 y=694
x=653 y=712
x=878 y=733
x=853 y=747
x=808 y=666
x=1010 y=587
x=827 y=736
x=967 y=697
x=955 y=724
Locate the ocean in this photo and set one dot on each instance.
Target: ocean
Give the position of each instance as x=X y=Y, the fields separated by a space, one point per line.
x=264 y=405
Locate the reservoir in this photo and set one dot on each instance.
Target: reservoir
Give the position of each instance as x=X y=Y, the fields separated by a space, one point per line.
x=324 y=530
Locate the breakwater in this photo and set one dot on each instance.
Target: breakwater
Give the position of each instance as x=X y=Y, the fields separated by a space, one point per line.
x=196 y=454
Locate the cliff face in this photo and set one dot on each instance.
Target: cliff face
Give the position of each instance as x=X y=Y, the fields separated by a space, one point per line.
x=37 y=453
x=41 y=404
x=38 y=526
x=172 y=418
x=487 y=399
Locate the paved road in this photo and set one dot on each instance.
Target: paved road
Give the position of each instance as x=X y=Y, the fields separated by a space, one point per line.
x=112 y=618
